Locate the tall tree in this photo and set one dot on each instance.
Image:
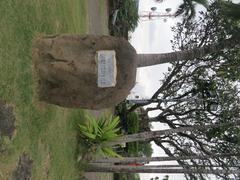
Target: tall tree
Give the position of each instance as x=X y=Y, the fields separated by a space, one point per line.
x=222 y=22
x=188 y=9
x=131 y=160
x=191 y=54
x=201 y=90
x=149 y=169
x=143 y=136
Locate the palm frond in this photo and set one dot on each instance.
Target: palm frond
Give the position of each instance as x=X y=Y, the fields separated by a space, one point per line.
x=97 y=132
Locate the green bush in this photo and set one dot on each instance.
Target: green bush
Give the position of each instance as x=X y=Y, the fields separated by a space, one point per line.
x=128 y=14
x=132 y=126
x=121 y=109
x=132 y=123
x=97 y=133
x=124 y=176
x=137 y=148
x=127 y=19
x=133 y=148
x=145 y=148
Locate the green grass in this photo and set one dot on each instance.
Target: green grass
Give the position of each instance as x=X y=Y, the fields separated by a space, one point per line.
x=47 y=133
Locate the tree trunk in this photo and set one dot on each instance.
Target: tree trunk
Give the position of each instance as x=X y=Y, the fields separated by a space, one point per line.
x=132 y=160
x=150 y=135
x=190 y=166
x=155 y=134
x=149 y=169
x=154 y=59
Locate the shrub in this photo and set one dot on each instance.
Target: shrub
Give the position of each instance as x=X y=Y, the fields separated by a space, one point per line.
x=97 y=133
x=127 y=18
x=128 y=14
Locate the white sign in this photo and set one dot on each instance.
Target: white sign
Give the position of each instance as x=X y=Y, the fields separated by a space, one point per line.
x=107 y=68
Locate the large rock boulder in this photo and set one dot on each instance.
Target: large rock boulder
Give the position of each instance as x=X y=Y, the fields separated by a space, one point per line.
x=67 y=70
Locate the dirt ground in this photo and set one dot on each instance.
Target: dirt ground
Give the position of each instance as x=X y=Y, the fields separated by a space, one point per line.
x=24 y=168
x=7 y=120
x=98 y=25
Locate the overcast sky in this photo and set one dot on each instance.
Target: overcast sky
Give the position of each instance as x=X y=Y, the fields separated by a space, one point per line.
x=152 y=37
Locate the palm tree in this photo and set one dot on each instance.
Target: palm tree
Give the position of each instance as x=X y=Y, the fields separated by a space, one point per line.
x=227 y=9
x=131 y=160
x=154 y=169
x=187 y=8
x=144 y=60
x=148 y=135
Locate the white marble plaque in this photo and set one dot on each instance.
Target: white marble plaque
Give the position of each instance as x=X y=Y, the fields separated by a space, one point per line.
x=107 y=68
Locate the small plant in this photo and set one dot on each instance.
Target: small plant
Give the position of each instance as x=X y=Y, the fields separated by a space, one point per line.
x=97 y=134
x=127 y=18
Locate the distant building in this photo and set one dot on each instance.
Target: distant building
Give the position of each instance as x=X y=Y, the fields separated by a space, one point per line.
x=137 y=93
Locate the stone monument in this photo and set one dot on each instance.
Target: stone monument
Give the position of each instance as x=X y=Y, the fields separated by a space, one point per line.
x=84 y=71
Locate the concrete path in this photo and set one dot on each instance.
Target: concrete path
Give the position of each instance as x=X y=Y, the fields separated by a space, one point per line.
x=98 y=17
x=98 y=24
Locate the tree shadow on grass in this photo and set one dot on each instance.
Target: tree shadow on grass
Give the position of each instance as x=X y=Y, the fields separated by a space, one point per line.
x=7 y=120
x=24 y=168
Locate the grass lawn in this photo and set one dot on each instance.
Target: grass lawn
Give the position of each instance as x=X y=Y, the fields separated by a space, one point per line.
x=45 y=132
